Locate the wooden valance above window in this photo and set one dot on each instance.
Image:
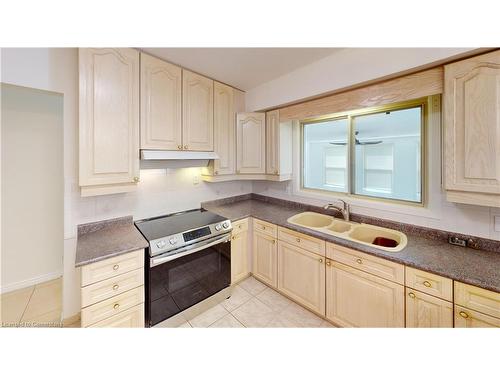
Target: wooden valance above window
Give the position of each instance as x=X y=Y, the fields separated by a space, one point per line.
x=412 y=86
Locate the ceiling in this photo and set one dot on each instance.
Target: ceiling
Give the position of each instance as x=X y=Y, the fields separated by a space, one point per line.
x=243 y=68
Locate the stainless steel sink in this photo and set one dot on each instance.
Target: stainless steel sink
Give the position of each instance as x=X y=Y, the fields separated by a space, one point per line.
x=370 y=235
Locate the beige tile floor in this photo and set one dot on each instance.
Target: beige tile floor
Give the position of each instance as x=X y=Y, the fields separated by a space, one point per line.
x=35 y=306
x=254 y=305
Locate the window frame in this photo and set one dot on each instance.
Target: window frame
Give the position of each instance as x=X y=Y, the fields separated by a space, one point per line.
x=350 y=115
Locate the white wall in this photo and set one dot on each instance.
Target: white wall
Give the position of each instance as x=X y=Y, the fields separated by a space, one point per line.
x=32 y=189
x=158 y=192
x=344 y=68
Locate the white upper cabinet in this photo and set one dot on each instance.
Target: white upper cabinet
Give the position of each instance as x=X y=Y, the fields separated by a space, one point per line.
x=472 y=130
x=278 y=147
x=161 y=104
x=109 y=120
x=197 y=112
x=224 y=130
x=251 y=143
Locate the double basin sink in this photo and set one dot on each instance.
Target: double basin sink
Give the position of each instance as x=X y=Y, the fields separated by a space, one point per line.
x=370 y=235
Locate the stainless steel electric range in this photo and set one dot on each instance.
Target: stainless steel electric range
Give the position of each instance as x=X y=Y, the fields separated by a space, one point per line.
x=188 y=260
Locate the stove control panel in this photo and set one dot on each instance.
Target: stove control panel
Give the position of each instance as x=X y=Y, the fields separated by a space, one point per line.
x=175 y=241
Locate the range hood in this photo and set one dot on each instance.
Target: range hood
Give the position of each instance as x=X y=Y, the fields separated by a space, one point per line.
x=159 y=159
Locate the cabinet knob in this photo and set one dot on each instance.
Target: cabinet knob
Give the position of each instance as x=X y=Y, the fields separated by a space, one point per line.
x=185 y=147
x=233 y=237
x=115 y=287
x=116 y=266
x=239 y=226
x=463 y=314
x=263 y=227
x=136 y=179
x=117 y=305
x=216 y=172
x=427 y=284
x=411 y=295
x=297 y=239
x=179 y=147
x=320 y=260
x=359 y=261
x=274 y=241
x=328 y=263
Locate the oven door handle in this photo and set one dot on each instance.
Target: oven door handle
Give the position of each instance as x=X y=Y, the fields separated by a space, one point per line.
x=188 y=250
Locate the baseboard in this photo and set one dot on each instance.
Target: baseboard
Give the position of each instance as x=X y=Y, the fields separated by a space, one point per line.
x=30 y=282
x=71 y=320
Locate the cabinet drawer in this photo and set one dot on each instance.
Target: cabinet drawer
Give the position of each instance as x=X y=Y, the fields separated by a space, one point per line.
x=110 y=307
x=130 y=318
x=466 y=318
x=115 y=266
x=240 y=226
x=376 y=266
x=429 y=283
x=481 y=300
x=265 y=228
x=108 y=288
x=302 y=240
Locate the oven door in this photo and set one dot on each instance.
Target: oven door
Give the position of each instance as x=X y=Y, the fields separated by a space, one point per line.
x=180 y=280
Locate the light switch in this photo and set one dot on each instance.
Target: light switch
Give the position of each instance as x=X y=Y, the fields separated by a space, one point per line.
x=496 y=219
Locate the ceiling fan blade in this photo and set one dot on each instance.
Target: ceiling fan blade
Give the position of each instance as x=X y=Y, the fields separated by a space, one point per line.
x=338 y=143
x=369 y=143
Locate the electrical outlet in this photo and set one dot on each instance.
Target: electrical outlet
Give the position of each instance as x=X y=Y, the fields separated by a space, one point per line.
x=196 y=179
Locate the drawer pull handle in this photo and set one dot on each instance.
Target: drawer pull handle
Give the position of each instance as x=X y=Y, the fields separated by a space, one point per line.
x=463 y=314
x=427 y=284
x=320 y=260
x=115 y=287
x=117 y=305
x=116 y=266
x=298 y=239
x=359 y=261
x=411 y=295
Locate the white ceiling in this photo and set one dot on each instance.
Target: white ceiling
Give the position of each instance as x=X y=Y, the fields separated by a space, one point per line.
x=243 y=68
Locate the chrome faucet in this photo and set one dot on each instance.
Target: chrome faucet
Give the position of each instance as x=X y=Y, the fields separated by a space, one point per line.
x=345 y=210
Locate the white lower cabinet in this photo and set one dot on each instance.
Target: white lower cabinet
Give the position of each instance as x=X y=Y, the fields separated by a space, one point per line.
x=301 y=276
x=357 y=299
x=239 y=251
x=264 y=258
x=112 y=292
x=131 y=318
x=467 y=318
x=426 y=311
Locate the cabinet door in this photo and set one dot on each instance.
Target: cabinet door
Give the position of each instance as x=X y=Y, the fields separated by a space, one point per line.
x=264 y=259
x=472 y=129
x=301 y=276
x=224 y=130
x=466 y=318
x=272 y=143
x=131 y=318
x=357 y=299
x=425 y=311
x=251 y=143
x=197 y=112
x=109 y=119
x=239 y=256
x=161 y=104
